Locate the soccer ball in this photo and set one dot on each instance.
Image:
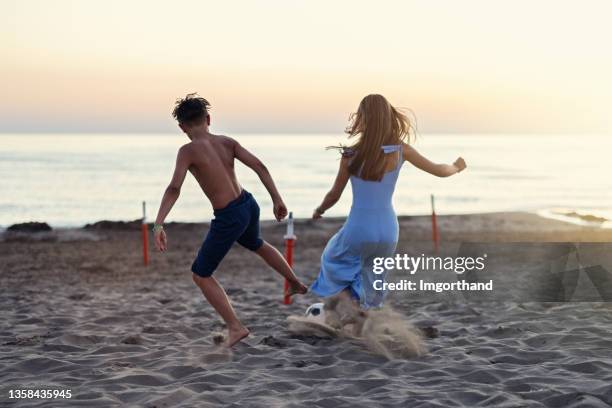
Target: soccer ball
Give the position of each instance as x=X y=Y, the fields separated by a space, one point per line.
x=316 y=312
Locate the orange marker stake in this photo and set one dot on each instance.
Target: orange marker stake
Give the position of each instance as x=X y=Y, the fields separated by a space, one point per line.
x=434 y=225
x=145 y=235
x=289 y=243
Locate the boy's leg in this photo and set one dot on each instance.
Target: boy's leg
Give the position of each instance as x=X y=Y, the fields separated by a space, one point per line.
x=219 y=240
x=251 y=240
x=216 y=296
x=280 y=265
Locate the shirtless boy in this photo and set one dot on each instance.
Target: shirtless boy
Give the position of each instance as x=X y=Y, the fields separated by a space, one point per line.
x=210 y=159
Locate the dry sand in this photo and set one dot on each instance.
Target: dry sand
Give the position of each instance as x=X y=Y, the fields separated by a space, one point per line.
x=80 y=312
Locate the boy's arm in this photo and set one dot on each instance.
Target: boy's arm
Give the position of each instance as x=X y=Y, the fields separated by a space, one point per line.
x=423 y=163
x=250 y=160
x=170 y=196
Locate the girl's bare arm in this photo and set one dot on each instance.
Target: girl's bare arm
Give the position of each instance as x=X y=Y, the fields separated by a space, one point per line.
x=335 y=192
x=437 y=169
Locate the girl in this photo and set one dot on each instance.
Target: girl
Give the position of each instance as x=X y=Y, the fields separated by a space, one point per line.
x=371 y=230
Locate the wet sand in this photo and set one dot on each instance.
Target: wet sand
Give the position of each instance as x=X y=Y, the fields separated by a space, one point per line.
x=81 y=312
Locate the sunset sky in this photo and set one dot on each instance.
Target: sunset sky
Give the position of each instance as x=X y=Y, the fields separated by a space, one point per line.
x=302 y=66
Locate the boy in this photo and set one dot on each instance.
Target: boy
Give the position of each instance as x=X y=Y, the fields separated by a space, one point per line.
x=210 y=159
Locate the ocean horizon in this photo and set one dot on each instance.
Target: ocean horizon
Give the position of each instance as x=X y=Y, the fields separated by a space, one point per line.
x=68 y=180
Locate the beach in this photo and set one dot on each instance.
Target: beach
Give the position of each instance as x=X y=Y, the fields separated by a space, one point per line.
x=483 y=127
x=81 y=312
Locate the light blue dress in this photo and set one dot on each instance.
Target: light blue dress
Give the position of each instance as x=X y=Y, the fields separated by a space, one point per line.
x=371 y=230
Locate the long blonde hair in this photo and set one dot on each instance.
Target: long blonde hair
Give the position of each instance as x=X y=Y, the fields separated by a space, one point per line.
x=376 y=123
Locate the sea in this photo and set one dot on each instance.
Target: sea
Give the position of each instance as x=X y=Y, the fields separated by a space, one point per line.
x=68 y=180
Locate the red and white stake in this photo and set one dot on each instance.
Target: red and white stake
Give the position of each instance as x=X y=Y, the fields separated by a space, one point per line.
x=289 y=243
x=434 y=225
x=145 y=235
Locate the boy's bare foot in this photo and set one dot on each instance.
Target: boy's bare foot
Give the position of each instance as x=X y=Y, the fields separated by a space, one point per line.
x=235 y=335
x=297 y=288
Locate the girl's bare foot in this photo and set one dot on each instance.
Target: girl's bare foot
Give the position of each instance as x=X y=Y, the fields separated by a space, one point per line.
x=297 y=287
x=234 y=335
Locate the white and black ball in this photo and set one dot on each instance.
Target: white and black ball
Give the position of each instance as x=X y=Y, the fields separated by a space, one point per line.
x=316 y=312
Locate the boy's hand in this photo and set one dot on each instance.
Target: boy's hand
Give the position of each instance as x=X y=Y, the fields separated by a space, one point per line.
x=161 y=242
x=280 y=210
x=460 y=164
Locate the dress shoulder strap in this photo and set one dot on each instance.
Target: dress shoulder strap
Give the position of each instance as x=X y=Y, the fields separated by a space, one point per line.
x=391 y=148
x=395 y=148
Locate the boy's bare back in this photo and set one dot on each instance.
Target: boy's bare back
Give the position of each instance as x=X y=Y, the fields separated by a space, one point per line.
x=211 y=162
x=210 y=158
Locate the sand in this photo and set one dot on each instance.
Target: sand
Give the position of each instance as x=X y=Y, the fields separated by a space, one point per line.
x=80 y=312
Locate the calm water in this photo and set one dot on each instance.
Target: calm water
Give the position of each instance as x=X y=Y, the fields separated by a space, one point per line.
x=69 y=180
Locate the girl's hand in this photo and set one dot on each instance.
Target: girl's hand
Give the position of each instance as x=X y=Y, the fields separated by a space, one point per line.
x=316 y=214
x=161 y=242
x=460 y=164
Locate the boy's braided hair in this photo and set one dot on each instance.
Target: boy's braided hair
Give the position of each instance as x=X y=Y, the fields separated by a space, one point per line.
x=191 y=109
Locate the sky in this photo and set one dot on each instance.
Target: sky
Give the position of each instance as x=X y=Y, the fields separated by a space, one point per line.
x=303 y=66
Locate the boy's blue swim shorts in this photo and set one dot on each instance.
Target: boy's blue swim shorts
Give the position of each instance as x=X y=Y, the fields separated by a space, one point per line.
x=236 y=222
